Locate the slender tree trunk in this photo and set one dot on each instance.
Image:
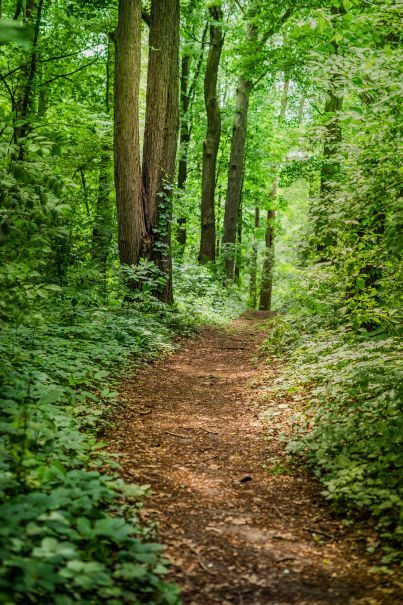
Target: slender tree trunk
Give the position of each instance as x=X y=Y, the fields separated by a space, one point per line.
x=129 y=203
x=238 y=255
x=24 y=104
x=266 y=287
x=102 y=230
x=181 y=232
x=330 y=167
x=160 y=135
x=253 y=263
x=187 y=93
x=212 y=142
x=235 y=171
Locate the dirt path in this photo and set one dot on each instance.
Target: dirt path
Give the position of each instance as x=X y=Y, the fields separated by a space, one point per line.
x=235 y=533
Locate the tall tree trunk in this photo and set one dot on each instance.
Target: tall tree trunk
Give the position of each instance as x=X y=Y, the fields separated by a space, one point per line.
x=160 y=135
x=102 y=230
x=187 y=94
x=330 y=167
x=24 y=103
x=238 y=255
x=235 y=171
x=253 y=263
x=212 y=142
x=181 y=232
x=266 y=287
x=129 y=202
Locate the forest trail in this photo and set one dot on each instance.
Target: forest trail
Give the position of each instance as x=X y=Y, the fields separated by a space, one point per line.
x=235 y=533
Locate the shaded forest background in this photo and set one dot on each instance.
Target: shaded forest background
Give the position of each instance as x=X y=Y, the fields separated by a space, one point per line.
x=163 y=166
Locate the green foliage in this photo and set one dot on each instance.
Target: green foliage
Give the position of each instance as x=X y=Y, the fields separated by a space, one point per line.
x=13 y=31
x=338 y=277
x=347 y=422
x=70 y=532
x=202 y=295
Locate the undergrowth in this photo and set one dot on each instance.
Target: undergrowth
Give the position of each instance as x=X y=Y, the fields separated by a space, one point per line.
x=70 y=530
x=346 y=386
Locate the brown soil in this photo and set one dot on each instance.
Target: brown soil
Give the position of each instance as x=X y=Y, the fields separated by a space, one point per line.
x=239 y=526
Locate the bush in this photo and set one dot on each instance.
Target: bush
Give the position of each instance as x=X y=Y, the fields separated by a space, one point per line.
x=350 y=427
x=69 y=527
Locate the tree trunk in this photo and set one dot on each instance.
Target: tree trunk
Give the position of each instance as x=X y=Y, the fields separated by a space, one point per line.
x=266 y=286
x=102 y=230
x=187 y=93
x=238 y=255
x=253 y=263
x=160 y=135
x=129 y=203
x=235 y=171
x=212 y=142
x=24 y=104
x=181 y=233
x=330 y=168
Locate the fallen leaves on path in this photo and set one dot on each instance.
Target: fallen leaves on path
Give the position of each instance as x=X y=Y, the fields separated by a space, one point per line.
x=235 y=533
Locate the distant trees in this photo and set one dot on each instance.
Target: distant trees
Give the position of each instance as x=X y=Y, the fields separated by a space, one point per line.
x=223 y=192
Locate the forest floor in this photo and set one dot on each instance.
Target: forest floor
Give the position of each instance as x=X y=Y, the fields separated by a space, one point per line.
x=240 y=527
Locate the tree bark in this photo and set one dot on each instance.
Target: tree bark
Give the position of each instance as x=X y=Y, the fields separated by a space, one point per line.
x=102 y=229
x=160 y=135
x=330 y=168
x=212 y=142
x=187 y=93
x=24 y=104
x=235 y=171
x=253 y=263
x=181 y=232
x=266 y=287
x=129 y=202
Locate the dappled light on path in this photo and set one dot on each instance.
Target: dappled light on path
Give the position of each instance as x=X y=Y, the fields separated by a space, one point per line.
x=235 y=531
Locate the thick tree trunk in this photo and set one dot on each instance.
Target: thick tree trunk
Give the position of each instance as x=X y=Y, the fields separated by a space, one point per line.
x=253 y=263
x=212 y=142
x=235 y=171
x=160 y=135
x=130 y=211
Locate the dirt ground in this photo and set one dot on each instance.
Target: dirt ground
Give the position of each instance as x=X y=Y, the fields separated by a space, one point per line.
x=238 y=525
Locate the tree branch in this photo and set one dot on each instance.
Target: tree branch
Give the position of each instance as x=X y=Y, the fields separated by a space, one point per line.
x=268 y=33
x=10 y=92
x=71 y=72
x=192 y=87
